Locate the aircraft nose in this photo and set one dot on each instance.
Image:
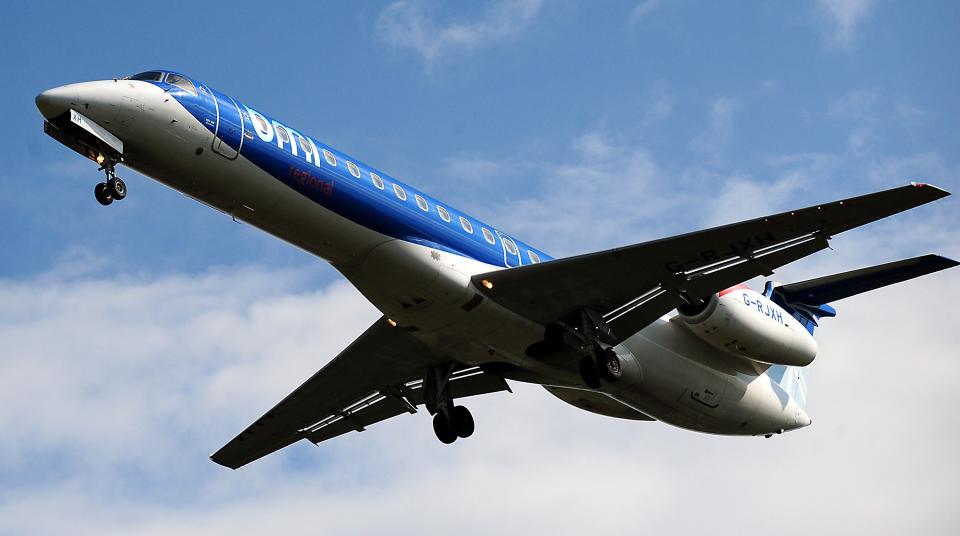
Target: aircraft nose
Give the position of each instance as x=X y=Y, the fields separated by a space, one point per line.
x=54 y=102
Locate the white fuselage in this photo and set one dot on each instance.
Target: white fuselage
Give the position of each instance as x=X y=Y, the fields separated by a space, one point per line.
x=674 y=376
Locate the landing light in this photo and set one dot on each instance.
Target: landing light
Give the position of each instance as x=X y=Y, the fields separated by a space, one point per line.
x=392 y=322
x=486 y=283
x=100 y=158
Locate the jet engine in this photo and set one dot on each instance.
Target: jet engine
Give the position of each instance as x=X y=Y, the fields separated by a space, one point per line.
x=747 y=324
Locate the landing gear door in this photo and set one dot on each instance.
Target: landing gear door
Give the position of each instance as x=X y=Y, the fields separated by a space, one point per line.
x=228 y=133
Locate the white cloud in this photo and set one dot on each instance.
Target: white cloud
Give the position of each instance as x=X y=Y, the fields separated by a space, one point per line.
x=870 y=112
x=873 y=106
x=923 y=167
x=408 y=24
x=861 y=104
x=112 y=435
x=742 y=197
x=842 y=17
x=658 y=103
x=602 y=190
x=640 y=11
x=715 y=136
x=123 y=370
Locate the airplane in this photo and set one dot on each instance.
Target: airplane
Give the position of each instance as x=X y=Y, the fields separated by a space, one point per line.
x=663 y=330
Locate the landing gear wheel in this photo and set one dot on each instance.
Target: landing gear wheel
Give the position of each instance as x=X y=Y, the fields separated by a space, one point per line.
x=118 y=189
x=589 y=372
x=610 y=365
x=102 y=193
x=444 y=429
x=462 y=421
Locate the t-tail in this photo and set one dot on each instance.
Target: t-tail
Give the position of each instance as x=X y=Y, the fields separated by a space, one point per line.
x=807 y=302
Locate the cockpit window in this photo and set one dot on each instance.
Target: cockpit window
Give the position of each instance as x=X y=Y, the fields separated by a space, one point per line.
x=149 y=76
x=181 y=82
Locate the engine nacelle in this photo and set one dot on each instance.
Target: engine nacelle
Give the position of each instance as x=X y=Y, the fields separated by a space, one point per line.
x=747 y=324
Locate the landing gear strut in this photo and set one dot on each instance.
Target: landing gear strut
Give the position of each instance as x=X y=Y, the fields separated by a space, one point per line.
x=113 y=189
x=449 y=421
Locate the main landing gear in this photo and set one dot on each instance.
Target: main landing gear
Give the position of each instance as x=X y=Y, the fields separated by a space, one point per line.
x=600 y=363
x=459 y=423
x=582 y=331
x=113 y=189
x=449 y=421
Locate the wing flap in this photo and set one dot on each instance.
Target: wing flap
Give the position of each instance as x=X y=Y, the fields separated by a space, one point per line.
x=383 y=405
x=625 y=321
x=356 y=420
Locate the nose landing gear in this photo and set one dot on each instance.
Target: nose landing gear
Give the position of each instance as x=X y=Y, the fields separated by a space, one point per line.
x=113 y=189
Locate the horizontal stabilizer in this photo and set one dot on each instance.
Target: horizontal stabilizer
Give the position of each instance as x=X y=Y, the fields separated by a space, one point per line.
x=838 y=286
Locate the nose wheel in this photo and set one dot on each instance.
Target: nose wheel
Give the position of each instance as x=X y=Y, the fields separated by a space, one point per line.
x=102 y=193
x=113 y=189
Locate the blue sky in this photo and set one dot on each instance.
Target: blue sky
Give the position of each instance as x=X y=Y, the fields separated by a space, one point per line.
x=576 y=126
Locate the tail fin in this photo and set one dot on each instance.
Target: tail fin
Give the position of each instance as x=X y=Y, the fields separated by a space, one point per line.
x=807 y=300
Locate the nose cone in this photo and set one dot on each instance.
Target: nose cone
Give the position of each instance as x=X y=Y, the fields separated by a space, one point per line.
x=55 y=102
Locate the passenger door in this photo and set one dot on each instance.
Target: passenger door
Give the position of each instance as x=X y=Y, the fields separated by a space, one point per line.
x=228 y=133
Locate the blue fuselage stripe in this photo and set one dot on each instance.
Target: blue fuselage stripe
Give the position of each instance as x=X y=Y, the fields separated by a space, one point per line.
x=336 y=189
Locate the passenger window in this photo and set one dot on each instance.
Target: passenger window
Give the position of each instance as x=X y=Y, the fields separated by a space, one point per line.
x=488 y=235
x=444 y=215
x=467 y=226
x=377 y=181
x=305 y=145
x=354 y=170
x=182 y=83
x=328 y=156
x=422 y=203
x=534 y=258
x=511 y=247
x=399 y=191
x=282 y=132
